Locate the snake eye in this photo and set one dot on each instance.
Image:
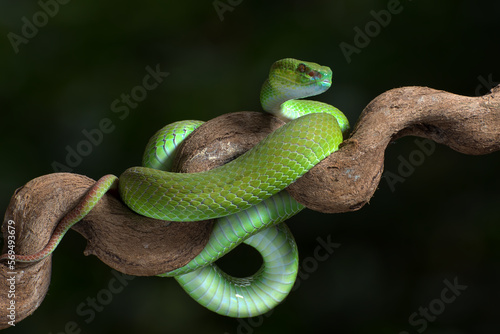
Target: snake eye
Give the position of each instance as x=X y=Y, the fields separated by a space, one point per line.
x=302 y=68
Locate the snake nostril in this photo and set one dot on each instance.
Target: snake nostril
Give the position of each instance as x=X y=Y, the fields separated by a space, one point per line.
x=315 y=74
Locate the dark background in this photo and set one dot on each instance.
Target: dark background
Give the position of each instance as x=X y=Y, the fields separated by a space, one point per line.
x=394 y=254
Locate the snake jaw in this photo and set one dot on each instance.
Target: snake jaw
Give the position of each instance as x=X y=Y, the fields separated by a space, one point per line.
x=326 y=82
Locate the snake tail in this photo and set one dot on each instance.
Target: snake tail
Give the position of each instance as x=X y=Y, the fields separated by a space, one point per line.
x=89 y=200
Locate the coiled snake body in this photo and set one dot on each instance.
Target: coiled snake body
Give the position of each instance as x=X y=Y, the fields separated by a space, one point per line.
x=246 y=195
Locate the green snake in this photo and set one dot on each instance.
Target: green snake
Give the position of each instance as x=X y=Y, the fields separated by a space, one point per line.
x=246 y=196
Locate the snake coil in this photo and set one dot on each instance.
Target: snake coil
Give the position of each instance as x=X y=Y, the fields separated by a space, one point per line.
x=246 y=196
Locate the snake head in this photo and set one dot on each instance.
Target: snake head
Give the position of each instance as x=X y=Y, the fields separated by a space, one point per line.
x=300 y=78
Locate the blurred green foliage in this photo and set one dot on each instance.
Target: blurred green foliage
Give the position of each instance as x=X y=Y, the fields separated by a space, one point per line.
x=439 y=224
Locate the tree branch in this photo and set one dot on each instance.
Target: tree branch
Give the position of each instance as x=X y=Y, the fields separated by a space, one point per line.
x=348 y=178
x=343 y=182
x=125 y=241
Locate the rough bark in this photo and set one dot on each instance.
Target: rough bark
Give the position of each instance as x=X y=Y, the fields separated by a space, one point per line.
x=343 y=182
x=347 y=179
x=125 y=241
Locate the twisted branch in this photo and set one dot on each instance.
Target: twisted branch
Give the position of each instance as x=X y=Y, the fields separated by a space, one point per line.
x=343 y=182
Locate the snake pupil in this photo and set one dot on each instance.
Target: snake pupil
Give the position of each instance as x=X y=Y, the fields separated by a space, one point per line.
x=302 y=68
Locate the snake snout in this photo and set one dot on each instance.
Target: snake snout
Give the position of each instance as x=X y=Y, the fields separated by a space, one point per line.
x=326 y=82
